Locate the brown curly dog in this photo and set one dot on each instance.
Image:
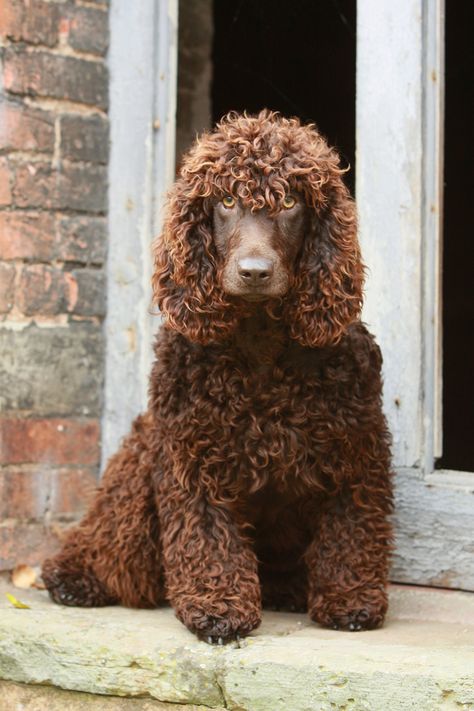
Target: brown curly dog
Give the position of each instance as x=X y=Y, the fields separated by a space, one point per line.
x=260 y=474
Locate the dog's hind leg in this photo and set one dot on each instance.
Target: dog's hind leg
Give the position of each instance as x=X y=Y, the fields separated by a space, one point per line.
x=113 y=556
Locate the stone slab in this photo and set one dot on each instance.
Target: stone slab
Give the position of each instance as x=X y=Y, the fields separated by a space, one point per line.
x=23 y=697
x=422 y=659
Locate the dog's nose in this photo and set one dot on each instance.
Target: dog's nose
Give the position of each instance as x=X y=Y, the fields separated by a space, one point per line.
x=255 y=271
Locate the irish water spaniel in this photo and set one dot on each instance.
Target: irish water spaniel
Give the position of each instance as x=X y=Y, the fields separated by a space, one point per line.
x=260 y=475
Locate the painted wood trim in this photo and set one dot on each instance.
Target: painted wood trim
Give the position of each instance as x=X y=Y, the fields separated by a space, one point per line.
x=166 y=97
x=400 y=105
x=451 y=479
x=400 y=67
x=142 y=106
x=433 y=175
x=389 y=197
x=434 y=526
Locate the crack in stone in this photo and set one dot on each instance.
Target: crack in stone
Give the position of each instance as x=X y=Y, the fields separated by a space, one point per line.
x=221 y=689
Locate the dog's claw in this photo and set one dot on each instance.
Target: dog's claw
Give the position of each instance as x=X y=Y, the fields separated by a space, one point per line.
x=221 y=641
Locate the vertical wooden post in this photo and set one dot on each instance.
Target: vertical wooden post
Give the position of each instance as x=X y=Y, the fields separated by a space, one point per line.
x=142 y=62
x=390 y=202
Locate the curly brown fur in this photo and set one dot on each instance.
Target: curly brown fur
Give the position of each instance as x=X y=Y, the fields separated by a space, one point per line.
x=261 y=471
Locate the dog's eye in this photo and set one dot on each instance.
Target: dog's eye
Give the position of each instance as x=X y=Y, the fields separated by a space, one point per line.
x=288 y=202
x=228 y=201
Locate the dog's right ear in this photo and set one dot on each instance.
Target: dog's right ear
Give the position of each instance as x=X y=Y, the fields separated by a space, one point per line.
x=185 y=284
x=327 y=294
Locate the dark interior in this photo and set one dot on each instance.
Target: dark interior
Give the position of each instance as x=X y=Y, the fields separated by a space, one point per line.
x=458 y=249
x=295 y=57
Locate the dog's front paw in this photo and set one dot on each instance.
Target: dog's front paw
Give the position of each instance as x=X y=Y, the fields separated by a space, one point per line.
x=220 y=627
x=357 y=620
x=353 y=612
x=73 y=588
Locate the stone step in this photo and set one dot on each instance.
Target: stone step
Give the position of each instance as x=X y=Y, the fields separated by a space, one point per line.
x=422 y=659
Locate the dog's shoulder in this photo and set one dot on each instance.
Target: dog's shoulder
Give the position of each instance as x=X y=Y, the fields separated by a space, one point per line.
x=356 y=358
x=363 y=360
x=362 y=346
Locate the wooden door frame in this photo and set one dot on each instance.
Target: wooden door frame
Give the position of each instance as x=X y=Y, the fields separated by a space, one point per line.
x=142 y=62
x=400 y=95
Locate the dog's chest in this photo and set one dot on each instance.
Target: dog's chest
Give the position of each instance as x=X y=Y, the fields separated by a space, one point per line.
x=284 y=417
x=275 y=417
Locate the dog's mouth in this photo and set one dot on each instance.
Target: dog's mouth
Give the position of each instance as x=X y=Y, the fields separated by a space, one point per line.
x=254 y=294
x=255 y=297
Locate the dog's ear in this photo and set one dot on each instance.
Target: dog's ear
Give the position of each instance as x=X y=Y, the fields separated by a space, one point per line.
x=327 y=293
x=185 y=284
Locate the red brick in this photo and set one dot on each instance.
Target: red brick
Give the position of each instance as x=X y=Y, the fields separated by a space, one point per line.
x=32 y=492
x=35 y=23
x=5 y=182
x=36 y=185
x=72 y=490
x=23 y=493
x=55 y=76
x=74 y=187
x=91 y=292
x=28 y=543
x=25 y=129
x=84 y=188
x=27 y=235
x=82 y=239
x=49 y=291
x=49 y=441
x=46 y=290
x=8 y=18
x=85 y=138
x=87 y=29
x=7 y=281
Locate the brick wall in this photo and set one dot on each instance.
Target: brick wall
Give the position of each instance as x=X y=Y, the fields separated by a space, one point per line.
x=53 y=200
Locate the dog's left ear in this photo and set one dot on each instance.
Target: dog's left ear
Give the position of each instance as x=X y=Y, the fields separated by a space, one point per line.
x=327 y=293
x=185 y=284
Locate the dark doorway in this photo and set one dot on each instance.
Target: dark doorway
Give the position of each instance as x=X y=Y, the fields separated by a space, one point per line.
x=294 y=57
x=458 y=249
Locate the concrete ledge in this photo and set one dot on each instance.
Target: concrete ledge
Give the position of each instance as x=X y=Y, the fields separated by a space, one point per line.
x=22 y=697
x=422 y=659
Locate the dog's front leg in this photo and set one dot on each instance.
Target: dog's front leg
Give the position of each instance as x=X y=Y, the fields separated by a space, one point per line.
x=348 y=559
x=210 y=567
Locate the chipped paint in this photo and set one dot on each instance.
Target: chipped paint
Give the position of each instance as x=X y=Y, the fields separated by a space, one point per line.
x=139 y=175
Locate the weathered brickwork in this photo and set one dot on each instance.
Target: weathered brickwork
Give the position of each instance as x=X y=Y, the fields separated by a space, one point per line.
x=54 y=149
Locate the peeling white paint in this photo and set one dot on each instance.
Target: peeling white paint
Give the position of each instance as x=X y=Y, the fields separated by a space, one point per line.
x=389 y=196
x=139 y=175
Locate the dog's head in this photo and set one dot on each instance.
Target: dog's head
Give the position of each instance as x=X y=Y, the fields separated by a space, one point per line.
x=260 y=214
